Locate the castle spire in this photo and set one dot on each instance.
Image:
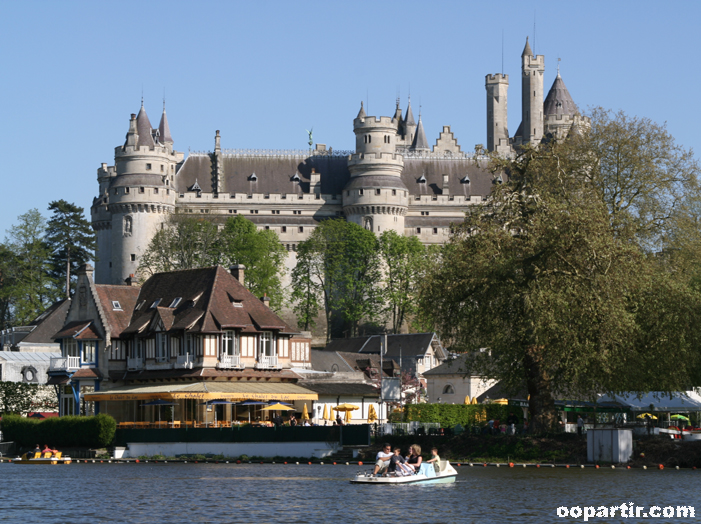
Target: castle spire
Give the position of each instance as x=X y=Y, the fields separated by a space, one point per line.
x=559 y=101
x=163 y=128
x=420 y=143
x=409 y=119
x=361 y=113
x=143 y=127
x=527 y=50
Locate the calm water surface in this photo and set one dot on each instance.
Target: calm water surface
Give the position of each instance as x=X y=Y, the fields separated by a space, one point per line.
x=201 y=493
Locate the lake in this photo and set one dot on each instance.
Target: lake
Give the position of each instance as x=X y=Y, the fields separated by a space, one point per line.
x=276 y=493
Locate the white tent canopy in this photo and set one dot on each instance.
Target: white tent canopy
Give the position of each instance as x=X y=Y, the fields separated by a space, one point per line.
x=657 y=401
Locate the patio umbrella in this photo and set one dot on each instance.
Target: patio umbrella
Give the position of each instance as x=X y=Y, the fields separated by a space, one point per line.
x=326 y=413
x=680 y=417
x=216 y=402
x=345 y=407
x=250 y=403
x=279 y=407
x=348 y=416
x=474 y=400
x=372 y=415
x=305 y=413
x=643 y=415
x=467 y=399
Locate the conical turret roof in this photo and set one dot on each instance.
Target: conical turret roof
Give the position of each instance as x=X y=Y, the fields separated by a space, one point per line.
x=559 y=101
x=361 y=113
x=527 y=50
x=420 y=143
x=409 y=119
x=164 y=129
x=143 y=127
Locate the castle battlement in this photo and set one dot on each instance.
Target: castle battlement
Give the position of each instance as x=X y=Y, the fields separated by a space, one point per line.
x=384 y=157
x=369 y=122
x=498 y=78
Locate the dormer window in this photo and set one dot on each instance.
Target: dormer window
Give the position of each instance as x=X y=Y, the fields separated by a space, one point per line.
x=237 y=303
x=140 y=305
x=465 y=180
x=175 y=302
x=116 y=306
x=253 y=177
x=155 y=303
x=295 y=177
x=422 y=180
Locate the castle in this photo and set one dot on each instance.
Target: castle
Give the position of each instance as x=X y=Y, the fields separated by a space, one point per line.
x=393 y=180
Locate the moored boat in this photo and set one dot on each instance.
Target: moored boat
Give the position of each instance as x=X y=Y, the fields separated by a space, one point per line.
x=425 y=475
x=55 y=457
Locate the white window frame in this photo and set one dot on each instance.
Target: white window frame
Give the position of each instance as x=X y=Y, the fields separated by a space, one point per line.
x=89 y=351
x=230 y=344
x=266 y=342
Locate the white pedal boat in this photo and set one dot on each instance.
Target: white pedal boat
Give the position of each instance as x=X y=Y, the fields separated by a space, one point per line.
x=425 y=475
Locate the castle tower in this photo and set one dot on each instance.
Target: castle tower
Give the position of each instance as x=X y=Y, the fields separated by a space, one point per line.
x=409 y=130
x=375 y=197
x=497 y=87
x=561 y=114
x=136 y=196
x=532 y=69
x=420 y=143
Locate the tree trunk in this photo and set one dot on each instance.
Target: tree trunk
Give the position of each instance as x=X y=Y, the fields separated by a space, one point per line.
x=541 y=404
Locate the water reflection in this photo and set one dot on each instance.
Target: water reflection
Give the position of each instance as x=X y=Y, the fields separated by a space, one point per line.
x=201 y=493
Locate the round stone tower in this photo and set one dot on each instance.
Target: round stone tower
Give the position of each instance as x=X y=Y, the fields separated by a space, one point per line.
x=136 y=196
x=375 y=197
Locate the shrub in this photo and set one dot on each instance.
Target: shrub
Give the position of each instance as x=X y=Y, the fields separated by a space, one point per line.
x=82 y=432
x=450 y=415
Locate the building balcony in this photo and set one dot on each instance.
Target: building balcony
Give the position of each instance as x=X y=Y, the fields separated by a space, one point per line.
x=64 y=364
x=230 y=362
x=267 y=362
x=183 y=362
x=135 y=363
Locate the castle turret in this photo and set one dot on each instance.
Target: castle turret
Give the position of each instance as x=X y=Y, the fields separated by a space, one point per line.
x=164 y=129
x=136 y=196
x=497 y=114
x=409 y=130
x=375 y=196
x=420 y=143
x=561 y=114
x=532 y=69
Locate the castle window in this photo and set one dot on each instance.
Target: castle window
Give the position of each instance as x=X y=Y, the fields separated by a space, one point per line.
x=148 y=167
x=167 y=191
x=155 y=190
x=142 y=190
x=377 y=191
x=394 y=192
x=301 y=229
x=448 y=390
x=435 y=230
x=126 y=190
x=418 y=230
x=369 y=139
x=162 y=168
x=284 y=230
x=360 y=192
x=267 y=228
x=133 y=257
x=300 y=196
x=116 y=191
x=318 y=196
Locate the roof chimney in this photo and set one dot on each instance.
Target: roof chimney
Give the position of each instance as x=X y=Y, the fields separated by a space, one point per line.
x=237 y=271
x=265 y=299
x=130 y=280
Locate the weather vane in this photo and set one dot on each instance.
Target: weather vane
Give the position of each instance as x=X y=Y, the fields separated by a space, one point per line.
x=311 y=139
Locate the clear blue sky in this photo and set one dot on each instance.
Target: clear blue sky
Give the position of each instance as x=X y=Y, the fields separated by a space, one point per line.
x=263 y=72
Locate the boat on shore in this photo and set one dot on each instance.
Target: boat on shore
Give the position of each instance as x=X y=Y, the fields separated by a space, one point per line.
x=43 y=458
x=425 y=475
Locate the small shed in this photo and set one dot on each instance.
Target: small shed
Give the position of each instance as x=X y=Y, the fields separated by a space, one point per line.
x=609 y=445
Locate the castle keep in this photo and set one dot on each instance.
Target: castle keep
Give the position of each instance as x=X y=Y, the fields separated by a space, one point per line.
x=392 y=180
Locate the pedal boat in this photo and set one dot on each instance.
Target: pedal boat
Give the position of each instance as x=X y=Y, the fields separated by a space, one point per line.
x=43 y=458
x=425 y=475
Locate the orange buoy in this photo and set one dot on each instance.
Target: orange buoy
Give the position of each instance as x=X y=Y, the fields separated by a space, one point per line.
x=511 y=464
x=661 y=466
x=485 y=464
x=537 y=465
x=238 y=462
x=360 y=463
x=334 y=463
x=567 y=466
x=597 y=466
x=309 y=463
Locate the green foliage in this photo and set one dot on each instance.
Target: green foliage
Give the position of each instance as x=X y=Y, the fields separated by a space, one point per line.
x=241 y=242
x=17 y=397
x=404 y=262
x=338 y=268
x=32 y=288
x=450 y=415
x=70 y=239
x=555 y=276
x=189 y=243
x=89 y=432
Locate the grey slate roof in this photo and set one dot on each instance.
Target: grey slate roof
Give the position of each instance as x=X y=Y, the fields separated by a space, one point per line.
x=274 y=175
x=28 y=357
x=342 y=388
x=328 y=361
x=409 y=118
x=48 y=323
x=559 y=101
x=420 y=143
x=164 y=129
x=527 y=50
x=143 y=128
x=452 y=366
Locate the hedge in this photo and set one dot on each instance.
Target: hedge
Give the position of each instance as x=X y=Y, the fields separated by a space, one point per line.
x=79 y=432
x=450 y=415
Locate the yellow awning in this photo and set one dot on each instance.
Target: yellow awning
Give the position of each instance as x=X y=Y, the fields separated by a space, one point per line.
x=233 y=391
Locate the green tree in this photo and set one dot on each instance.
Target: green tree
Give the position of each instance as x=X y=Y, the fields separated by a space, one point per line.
x=241 y=242
x=404 y=261
x=185 y=243
x=33 y=289
x=338 y=267
x=71 y=241
x=8 y=274
x=563 y=296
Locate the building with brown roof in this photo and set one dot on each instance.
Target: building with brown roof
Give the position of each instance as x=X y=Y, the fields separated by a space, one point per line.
x=182 y=337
